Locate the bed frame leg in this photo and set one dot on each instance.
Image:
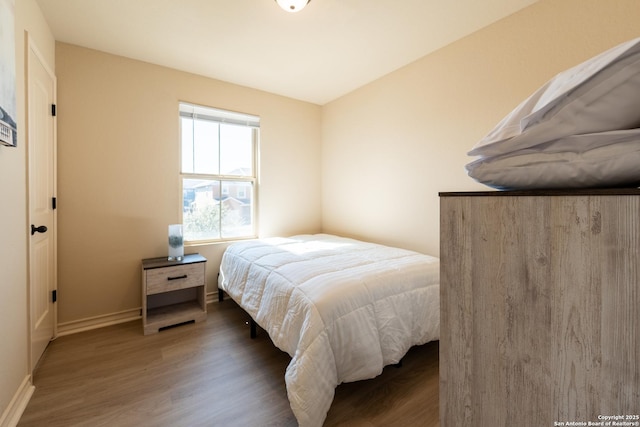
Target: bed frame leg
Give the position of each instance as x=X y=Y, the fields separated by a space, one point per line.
x=253 y=329
x=220 y=295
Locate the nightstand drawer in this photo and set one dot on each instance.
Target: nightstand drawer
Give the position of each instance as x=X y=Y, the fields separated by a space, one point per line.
x=174 y=278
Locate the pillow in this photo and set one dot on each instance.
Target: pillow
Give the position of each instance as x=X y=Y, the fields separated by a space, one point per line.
x=608 y=159
x=599 y=95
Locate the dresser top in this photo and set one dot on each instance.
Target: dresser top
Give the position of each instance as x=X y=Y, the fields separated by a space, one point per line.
x=631 y=191
x=164 y=262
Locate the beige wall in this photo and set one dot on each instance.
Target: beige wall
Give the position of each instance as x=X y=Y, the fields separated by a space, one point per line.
x=118 y=165
x=380 y=154
x=14 y=328
x=391 y=146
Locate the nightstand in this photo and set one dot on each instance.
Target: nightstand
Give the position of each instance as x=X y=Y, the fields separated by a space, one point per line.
x=173 y=292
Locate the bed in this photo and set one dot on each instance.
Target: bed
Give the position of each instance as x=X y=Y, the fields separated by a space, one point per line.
x=341 y=308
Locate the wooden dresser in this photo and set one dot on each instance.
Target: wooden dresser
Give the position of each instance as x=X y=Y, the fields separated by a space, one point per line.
x=540 y=307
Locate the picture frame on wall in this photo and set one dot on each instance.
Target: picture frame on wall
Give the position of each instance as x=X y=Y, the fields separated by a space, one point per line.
x=8 y=108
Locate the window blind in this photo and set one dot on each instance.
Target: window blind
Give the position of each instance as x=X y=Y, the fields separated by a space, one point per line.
x=220 y=116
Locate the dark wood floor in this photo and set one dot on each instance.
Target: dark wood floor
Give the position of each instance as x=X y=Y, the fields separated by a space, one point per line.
x=209 y=374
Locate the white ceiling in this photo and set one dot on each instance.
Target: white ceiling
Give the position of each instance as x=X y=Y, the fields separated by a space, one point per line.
x=317 y=55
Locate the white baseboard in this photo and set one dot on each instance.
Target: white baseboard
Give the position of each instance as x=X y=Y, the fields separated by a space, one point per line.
x=211 y=297
x=96 y=322
x=16 y=407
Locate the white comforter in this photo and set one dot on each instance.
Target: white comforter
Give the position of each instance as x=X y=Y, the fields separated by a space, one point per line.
x=341 y=308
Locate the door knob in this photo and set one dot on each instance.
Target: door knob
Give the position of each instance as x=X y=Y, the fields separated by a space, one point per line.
x=41 y=229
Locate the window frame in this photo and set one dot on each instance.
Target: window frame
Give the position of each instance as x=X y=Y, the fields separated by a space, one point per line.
x=221 y=178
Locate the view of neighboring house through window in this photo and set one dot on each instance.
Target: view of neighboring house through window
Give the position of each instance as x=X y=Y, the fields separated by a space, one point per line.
x=218 y=171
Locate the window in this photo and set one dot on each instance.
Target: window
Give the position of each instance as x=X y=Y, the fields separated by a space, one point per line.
x=218 y=173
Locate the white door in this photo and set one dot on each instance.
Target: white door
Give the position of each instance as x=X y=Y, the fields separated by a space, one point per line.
x=42 y=219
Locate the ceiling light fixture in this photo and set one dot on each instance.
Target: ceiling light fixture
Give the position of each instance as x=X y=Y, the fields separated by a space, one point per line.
x=292 y=5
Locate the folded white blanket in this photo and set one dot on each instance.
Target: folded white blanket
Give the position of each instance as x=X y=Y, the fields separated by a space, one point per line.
x=341 y=308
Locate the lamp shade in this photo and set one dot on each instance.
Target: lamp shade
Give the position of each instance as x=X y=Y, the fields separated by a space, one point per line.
x=292 y=5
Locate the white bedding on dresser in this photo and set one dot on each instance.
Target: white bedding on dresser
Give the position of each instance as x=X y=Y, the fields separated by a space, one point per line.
x=341 y=308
